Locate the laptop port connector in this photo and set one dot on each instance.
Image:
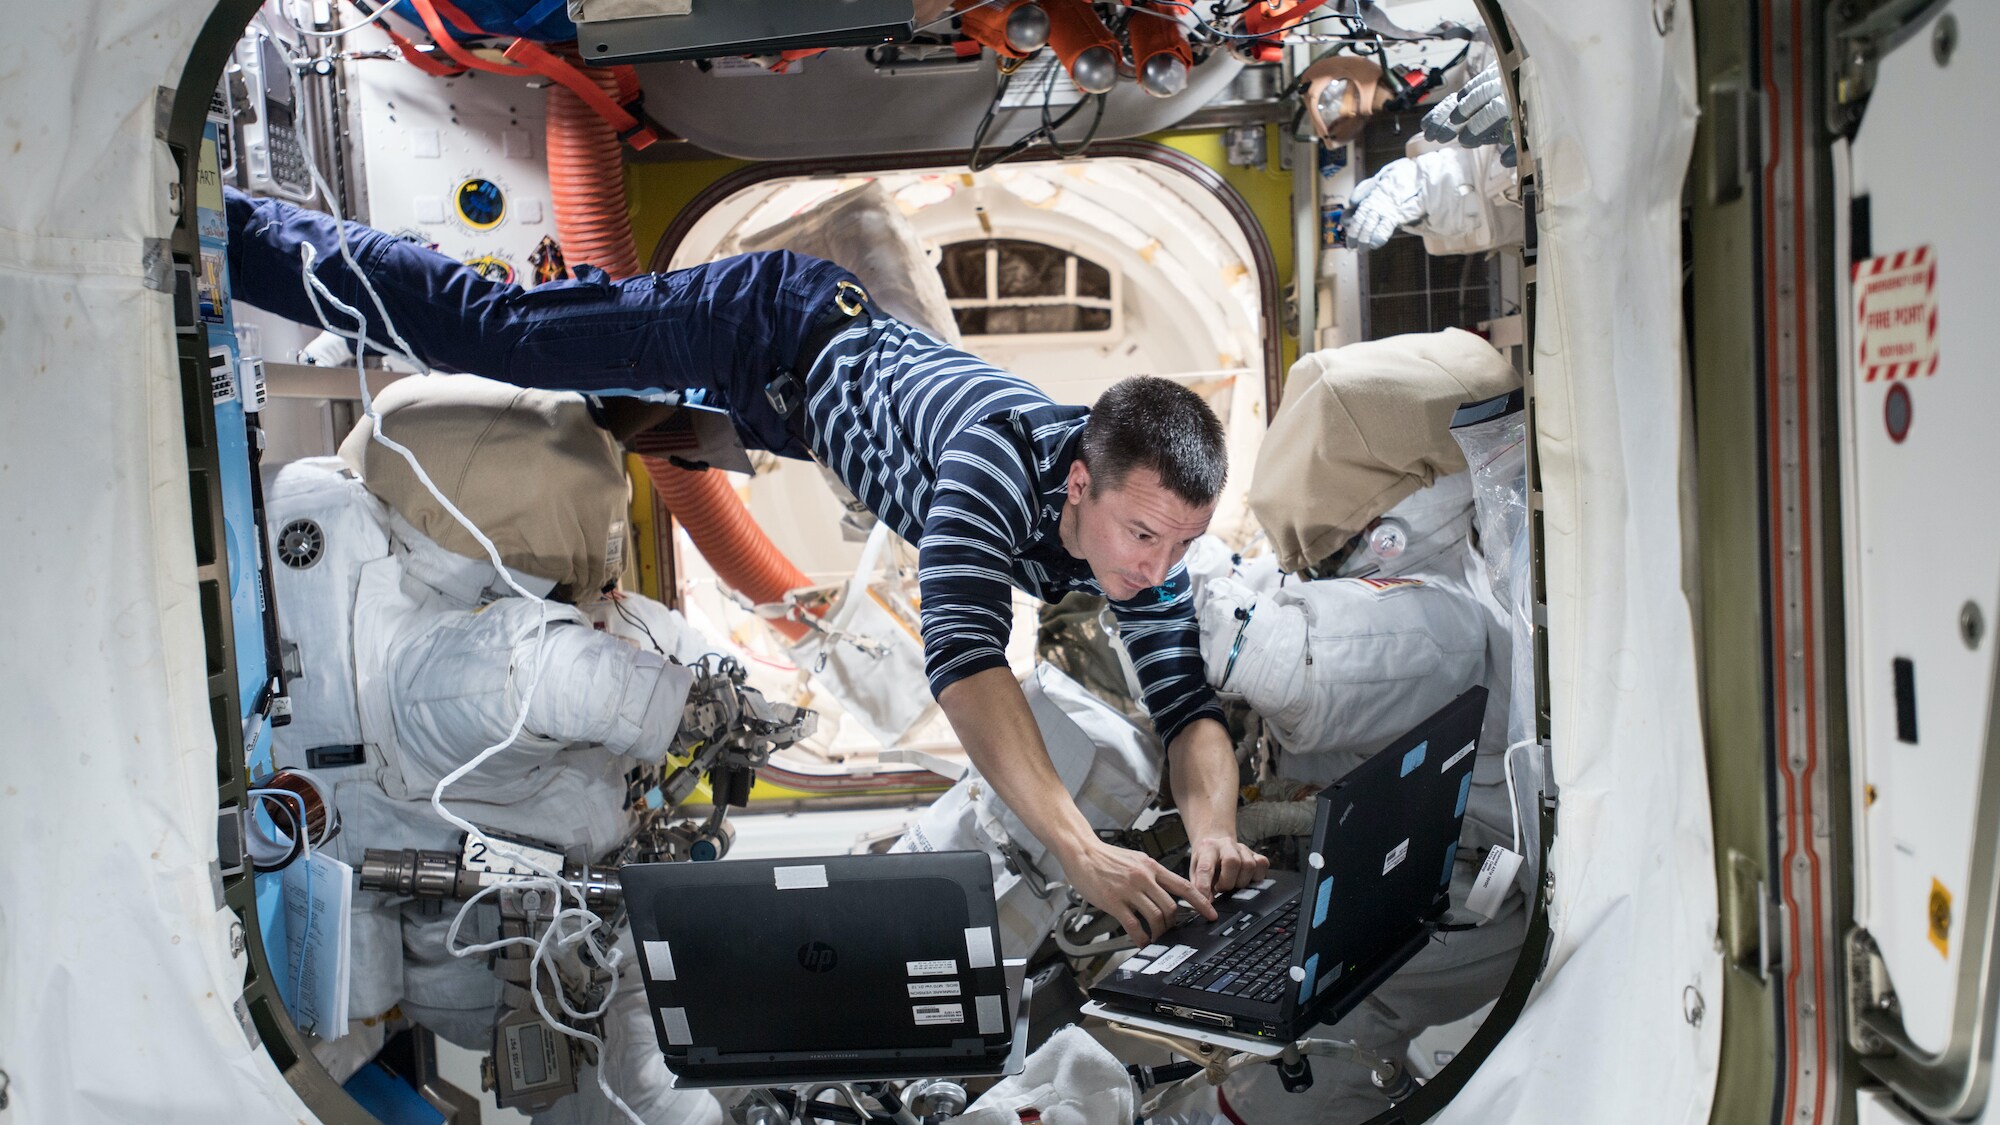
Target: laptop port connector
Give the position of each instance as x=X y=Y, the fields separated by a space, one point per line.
x=1196 y=1015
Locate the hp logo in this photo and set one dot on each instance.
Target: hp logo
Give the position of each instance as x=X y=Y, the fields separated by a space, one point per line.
x=817 y=957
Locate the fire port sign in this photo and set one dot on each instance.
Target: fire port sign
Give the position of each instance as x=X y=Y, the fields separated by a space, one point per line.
x=1895 y=316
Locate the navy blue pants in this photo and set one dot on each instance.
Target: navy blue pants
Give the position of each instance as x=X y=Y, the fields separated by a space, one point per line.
x=724 y=328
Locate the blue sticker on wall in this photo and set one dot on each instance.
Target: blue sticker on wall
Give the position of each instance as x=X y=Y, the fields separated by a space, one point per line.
x=1414 y=758
x=1464 y=791
x=1450 y=857
x=1325 y=900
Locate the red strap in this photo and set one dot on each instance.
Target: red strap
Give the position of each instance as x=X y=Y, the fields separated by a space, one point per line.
x=533 y=56
x=524 y=57
x=421 y=59
x=429 y=9
x=787 y=58
x=1273 y=16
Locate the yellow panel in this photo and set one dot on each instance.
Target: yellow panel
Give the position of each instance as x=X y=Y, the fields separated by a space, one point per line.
x=646 y=576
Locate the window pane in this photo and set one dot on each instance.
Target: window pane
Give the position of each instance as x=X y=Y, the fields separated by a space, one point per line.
x=963 y=268
x=1030 y=269
x=1092 y=280
x=1021 y=320
x=971 y=322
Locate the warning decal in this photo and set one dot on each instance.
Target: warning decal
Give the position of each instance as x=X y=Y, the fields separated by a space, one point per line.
x=1895 y=316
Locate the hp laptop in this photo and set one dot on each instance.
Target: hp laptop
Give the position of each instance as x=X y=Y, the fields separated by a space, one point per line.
x=830 y=968
x=1300 y=949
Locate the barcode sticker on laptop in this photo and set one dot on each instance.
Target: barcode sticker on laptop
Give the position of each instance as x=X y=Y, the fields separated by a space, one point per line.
x=1456 y=758
x=945 y=968
x=938 y=1013
x=1395 y=856
x=1171 y=960
x=804 y=876
x=921 y=988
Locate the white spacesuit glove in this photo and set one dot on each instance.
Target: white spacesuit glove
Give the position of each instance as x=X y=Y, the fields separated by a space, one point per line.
x=1477 y=114
x=327 y=350
x=1391 y=199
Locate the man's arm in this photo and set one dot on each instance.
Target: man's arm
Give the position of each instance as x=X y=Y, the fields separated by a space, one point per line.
x=1159 y=630
x=1204 y=781
x=983 y=506
x=991 y=715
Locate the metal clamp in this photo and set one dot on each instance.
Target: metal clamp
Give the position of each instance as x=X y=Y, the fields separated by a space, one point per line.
x=841 y=298
x=1236 y=647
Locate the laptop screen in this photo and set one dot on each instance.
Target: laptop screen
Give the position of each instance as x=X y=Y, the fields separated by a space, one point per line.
x=1385 y=838
x=868 y=952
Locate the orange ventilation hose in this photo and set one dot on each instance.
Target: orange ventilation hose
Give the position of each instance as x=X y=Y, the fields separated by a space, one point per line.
x=729 y=538
x=587 y=188
x=587 y=182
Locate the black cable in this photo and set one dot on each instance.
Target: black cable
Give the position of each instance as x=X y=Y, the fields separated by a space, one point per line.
x=978 y=162
x=1048 y=129
x=619 y=605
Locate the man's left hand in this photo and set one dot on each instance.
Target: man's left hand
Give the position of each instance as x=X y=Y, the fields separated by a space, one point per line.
x=1218 y=864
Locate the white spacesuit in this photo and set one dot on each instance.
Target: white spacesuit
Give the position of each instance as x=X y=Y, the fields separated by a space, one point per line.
x=411 y=655
x=1338 y=667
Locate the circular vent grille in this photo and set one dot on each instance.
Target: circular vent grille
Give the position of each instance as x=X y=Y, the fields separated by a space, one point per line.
x=300 y=544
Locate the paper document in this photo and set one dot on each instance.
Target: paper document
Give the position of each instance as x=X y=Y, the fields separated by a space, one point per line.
x=313 y=980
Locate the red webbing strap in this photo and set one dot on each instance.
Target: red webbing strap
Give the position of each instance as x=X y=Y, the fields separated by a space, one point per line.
x=629 y=127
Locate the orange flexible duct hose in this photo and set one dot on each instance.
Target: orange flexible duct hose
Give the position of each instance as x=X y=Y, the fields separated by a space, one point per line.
x=587 y=189
x=587 y=183
x=717 y=521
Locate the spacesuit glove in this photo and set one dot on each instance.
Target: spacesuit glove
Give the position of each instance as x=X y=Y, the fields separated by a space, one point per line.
x=1475 y=115
x=1391 y=199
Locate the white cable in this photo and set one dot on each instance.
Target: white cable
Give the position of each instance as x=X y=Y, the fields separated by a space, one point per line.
x=381 y=10
x=609 y=958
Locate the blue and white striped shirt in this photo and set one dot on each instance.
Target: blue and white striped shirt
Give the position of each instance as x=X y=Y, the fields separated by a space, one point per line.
x=970 y=464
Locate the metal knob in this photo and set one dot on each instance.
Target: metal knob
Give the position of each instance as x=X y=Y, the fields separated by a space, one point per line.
x=1163 y=76
x=1027 y=27
x=1095 y=71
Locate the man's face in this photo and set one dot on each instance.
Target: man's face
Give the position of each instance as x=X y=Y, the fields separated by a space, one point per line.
x=1131 y=535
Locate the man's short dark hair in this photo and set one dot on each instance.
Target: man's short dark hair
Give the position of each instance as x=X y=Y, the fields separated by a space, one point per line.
x=1146 y=422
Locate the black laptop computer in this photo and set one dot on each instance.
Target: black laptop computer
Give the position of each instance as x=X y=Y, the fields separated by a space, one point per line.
x=1298 y=949
x=832 y=968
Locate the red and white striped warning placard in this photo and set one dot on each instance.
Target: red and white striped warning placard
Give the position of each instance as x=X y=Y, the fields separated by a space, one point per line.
x=1895 y=315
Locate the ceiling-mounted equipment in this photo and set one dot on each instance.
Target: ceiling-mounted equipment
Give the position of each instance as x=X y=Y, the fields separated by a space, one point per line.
x=1160 y=51
x=1087 y=48
x=1011 y=29
x=659 y=30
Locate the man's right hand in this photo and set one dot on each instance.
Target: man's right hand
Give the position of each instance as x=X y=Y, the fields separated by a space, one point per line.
x=1131 y=887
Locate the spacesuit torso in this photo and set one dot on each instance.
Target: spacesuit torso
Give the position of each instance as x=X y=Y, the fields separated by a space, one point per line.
x=405 y=660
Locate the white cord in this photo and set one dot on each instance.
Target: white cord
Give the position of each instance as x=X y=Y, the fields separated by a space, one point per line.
x=1513 y=803
x=552 y=880
x=382 y=9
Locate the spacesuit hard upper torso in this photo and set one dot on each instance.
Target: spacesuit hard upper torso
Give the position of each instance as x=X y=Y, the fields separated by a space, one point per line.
x=1339 y=667
x=401 y=650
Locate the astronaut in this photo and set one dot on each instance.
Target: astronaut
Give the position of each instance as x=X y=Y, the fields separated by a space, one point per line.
x=1399 y=621
x=410 y=654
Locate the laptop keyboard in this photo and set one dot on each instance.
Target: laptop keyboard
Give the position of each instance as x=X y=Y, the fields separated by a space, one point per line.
x=1253 y=970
